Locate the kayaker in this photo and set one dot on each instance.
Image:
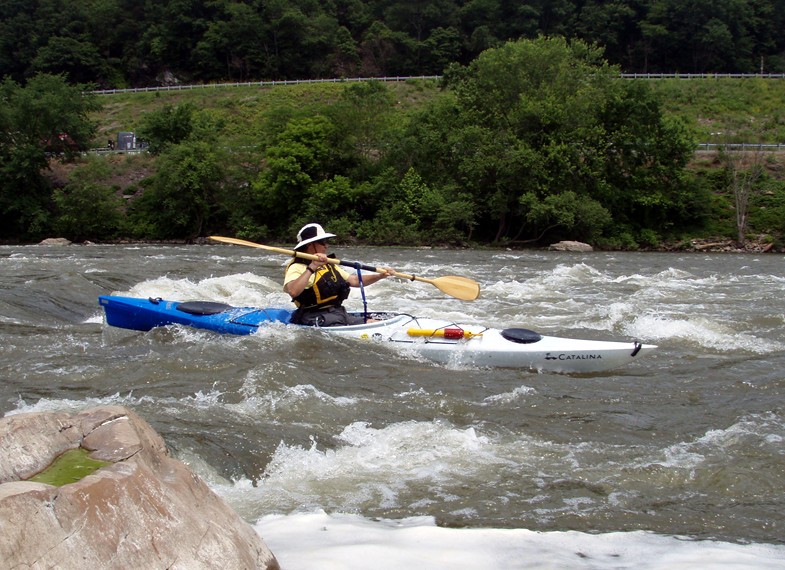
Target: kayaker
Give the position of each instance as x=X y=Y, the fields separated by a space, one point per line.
x=317 y=287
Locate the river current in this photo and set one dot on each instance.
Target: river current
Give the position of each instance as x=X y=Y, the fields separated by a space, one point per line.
x=689 y=441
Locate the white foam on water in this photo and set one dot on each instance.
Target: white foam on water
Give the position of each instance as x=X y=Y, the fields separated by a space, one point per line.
x=10 y=321
x=700 y=331
x=238 y=289
x=321 y=541
x=743 y=457
x=434 y=451
x=285 y=401
x=514 y=395
x=212 y=401
x=755 y=431
x=72 y=406
x=368 y=468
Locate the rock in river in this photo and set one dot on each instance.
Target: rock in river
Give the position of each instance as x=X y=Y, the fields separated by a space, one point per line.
x=141 y=509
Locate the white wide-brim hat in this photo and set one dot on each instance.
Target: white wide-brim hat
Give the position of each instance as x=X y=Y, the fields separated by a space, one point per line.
x=310 y=233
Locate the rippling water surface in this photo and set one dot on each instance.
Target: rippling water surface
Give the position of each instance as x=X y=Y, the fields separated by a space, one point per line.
x=688 y=441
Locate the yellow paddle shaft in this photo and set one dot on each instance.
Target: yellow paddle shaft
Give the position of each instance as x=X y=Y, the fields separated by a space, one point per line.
x=455 y=286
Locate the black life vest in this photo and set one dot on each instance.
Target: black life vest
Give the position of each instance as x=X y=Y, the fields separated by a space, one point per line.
x=330 y=289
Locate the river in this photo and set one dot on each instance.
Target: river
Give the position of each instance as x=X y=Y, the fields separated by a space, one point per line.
x=687 y=442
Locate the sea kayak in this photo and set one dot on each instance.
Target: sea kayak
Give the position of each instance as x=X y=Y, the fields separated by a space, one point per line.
x=438 y=340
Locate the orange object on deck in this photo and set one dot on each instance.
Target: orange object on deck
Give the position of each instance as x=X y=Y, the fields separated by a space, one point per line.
x=453 y=333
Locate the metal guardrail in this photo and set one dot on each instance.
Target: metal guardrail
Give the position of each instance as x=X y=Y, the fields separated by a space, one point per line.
x=425 y=77
x=701 y=146
x=265 y=83
x=101 y=150
x=703 y=75
x=742 y=146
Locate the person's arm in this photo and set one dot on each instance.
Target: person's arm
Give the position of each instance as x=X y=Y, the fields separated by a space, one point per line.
x=296 y=284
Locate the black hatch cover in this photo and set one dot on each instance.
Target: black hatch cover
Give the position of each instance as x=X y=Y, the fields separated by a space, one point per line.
x=203 y=307
x=521 y=336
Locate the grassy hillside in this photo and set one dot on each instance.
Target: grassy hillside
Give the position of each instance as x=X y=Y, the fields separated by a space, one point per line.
x=717 y=110
x=727 y=110
x=241 y=109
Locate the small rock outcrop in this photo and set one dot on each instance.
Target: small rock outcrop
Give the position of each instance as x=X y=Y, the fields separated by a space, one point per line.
x=570 y=246
x=143 y=510
x=55 y=241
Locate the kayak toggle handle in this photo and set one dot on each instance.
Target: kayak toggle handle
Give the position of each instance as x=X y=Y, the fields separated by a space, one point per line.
x=452 y=333
x=637 y=348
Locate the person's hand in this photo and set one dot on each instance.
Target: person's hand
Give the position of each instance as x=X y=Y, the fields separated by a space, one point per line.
x=388 y=272
x=317 y=263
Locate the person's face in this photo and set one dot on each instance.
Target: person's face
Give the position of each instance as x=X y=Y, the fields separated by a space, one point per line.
x=319 y=246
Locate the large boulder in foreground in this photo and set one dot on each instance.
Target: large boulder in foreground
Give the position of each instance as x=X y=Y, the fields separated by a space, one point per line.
x=143 y=509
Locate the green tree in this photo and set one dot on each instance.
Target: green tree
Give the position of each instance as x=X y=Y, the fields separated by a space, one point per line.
x=385 y=52
x=329 y=200
x=185 y=196
x=579 y=217
x=365 y=114
x=299 y=38
x=346 y=56
x=169 y=125
x=86 y=207
x=45 y=120
x=228 y=49
x=442 y=48
x=610 y=24
x=539 y=124
x=303 y=154
x=640 y=164
x=703 y=35
x=525 y=133
x=78 y=59
x=422 y=213
x=18 y=38
x=173 y=29
x=87 y=210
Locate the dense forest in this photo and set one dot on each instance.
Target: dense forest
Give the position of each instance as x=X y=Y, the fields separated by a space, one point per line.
x=532 y=142
x=133 y=43
x=529 y=135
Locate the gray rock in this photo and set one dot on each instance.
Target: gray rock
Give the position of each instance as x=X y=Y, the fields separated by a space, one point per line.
x=55 y=241
x=144 y=510
x=570 y=246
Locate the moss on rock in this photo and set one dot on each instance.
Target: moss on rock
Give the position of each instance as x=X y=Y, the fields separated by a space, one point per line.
x=69 y=467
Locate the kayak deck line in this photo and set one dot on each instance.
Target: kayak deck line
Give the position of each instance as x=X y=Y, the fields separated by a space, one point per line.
x=438 y=340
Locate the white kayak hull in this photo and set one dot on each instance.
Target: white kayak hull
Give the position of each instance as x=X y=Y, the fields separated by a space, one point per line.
x=487 y=347
x=437 y=340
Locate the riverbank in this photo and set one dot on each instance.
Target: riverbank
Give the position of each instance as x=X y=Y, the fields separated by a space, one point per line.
x=760 y=244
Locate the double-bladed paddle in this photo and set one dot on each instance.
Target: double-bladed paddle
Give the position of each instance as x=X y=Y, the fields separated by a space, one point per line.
x=458 y=287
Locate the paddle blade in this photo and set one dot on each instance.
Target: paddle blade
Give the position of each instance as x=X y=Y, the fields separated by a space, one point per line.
x=458 y=287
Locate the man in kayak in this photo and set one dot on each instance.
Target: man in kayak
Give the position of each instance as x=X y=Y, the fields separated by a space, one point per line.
x=317 y=287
